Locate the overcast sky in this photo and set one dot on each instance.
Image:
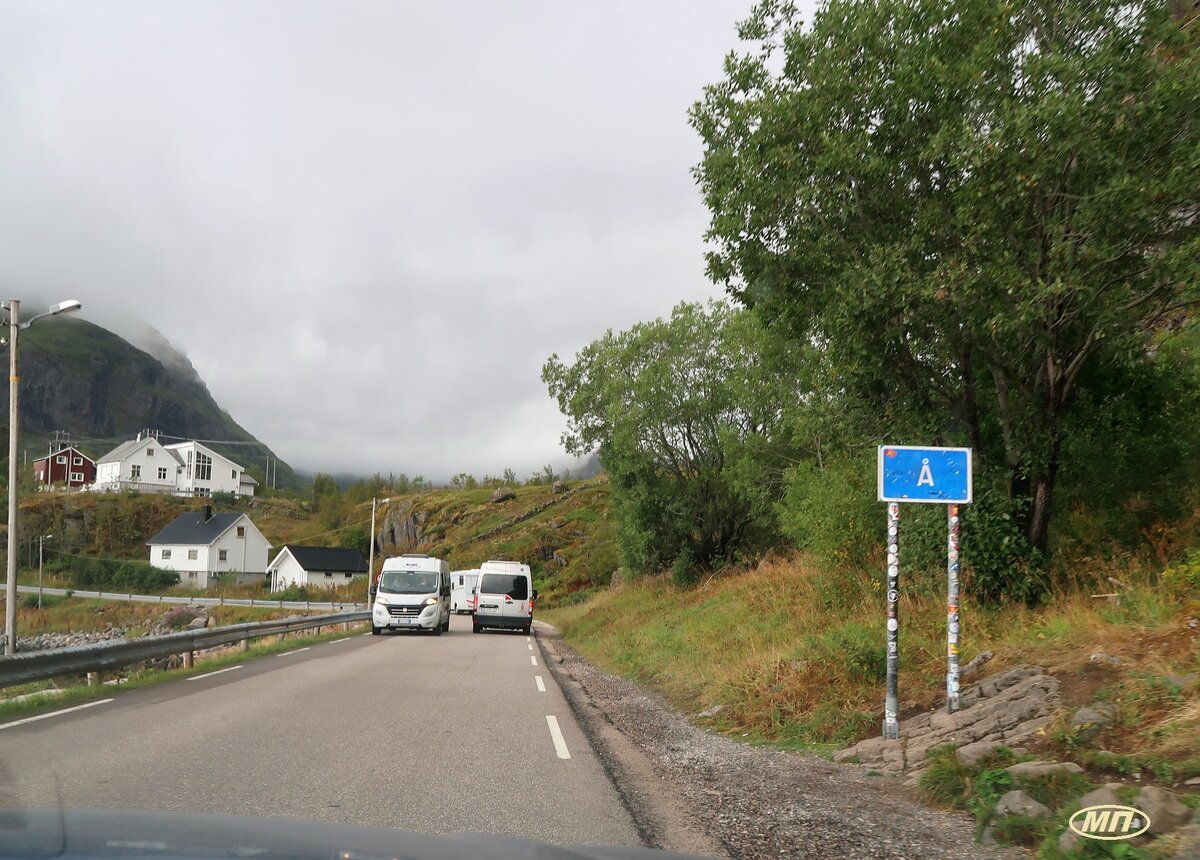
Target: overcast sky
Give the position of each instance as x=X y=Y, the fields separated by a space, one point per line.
x=367 y=224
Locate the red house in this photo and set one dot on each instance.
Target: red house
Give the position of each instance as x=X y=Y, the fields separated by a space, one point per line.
x=67 y=466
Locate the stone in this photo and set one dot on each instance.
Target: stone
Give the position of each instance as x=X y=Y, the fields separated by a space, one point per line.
x=1187 y=843
x=1020 y=803
x=976 y=663
x=503 y=494
x=1034 y=769
x=1089 y=722
x=1163 y=808
x=978 y=752
x=1183 y=682
x=711 y=712
x=1101 y=657
x=559 y=487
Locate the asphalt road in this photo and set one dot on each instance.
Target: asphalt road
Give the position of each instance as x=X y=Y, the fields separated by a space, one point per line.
x=444 y=734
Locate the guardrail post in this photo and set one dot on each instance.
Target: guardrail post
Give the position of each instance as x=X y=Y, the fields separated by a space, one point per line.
x=93 y=678
x=189 y=659
x=246 y=644
x=251 y=601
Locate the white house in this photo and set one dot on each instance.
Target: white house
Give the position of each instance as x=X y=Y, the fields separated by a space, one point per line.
x=206 y=472
x=321 y=566
x=183 y=469
x=142 y=464
x=202 y=546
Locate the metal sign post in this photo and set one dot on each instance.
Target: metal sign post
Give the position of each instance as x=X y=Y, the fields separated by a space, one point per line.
x=908 y=473
x=952 y=530
x=891 y=706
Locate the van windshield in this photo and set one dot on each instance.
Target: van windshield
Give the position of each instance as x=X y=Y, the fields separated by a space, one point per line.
x=408 y=582
x=516 y=587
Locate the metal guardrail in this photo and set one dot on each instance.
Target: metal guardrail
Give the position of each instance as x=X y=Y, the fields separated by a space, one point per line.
x=105 y=656
x=202 y=601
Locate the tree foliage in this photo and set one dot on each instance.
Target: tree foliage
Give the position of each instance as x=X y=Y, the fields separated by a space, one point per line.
x=690 y=424
x=978 y=211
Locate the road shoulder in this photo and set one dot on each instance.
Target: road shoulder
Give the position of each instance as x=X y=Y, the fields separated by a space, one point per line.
x=694 y=791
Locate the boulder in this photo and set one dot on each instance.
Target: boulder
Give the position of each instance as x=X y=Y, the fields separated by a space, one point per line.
x=1089 y=722
x=559 y=487
x=1020 y=803
x=1164 y=810
x=1187 y=843
x=1034 y=769
x=978 y=752
x=503 y=494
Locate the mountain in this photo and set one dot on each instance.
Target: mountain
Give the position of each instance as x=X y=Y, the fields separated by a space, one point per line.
x=81 y=379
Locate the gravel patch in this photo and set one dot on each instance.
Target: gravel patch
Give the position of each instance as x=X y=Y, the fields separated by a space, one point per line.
x=694 y=791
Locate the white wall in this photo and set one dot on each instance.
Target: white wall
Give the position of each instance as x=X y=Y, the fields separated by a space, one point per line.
x=141 y=469
x=226 y=475
x=285 y=572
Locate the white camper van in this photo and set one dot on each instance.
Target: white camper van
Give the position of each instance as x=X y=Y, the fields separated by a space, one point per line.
x=462 y=586
x=412 y=593
x=504 y=597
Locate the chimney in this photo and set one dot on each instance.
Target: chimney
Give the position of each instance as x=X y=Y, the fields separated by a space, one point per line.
x=207 y=513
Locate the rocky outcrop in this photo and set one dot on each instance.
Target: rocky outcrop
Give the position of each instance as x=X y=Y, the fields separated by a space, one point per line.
x=1007 y=708
x=503 y=494
x=402 y=527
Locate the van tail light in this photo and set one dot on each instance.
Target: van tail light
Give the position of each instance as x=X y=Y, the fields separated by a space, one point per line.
x=531 y=606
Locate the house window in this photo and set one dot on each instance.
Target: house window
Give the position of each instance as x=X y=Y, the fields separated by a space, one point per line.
x=241 y=532
x=162 y=474
x=328 y=575
x=234 y=475
x=203 y=467
x=149 y=452
x=166 y=553
x=77 y=461
x=191 y=574
x=193 y=554
x=223 y=554
x=348 y=575
x=135 y=472
x=77 y=476
x=62 y=460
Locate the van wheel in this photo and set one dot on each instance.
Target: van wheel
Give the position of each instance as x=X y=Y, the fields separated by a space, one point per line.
x=446 y=626
x=525 y=630
x=475 y=628
x=437 y=630
x=375 y=631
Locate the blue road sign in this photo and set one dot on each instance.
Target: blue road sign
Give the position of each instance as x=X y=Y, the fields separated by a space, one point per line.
x=934 y=475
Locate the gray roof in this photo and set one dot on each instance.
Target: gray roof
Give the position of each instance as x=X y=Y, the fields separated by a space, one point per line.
x=193 y=529
x=122 y=450
x=328 y=558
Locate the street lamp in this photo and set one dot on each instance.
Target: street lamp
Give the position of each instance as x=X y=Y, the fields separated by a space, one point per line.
x=13 y=306
x=371 y=563
x=41 y=540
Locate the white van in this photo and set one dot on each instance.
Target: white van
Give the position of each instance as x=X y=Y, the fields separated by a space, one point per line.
x=412 y=593
x=504 y=597
x=462 y=586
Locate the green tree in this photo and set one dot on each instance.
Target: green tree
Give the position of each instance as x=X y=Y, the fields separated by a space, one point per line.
x=973 y=208
x=691 y=425
x=464 y=481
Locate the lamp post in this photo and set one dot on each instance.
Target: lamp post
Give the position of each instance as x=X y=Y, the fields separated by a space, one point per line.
x=371 y=563
x=41 y=540
x=13 y=306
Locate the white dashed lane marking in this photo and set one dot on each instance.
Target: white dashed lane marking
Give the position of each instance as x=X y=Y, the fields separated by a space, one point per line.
x=210 y=674
x=540 y=683
x=560 y=745
x=297 y=651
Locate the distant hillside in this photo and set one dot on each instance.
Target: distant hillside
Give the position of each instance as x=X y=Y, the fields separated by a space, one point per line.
x=80 y=378
x=567 y=538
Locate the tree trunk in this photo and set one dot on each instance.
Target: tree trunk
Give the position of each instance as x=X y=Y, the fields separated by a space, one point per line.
x=1038 y=490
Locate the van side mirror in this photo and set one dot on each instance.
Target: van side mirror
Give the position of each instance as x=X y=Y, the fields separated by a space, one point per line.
x=374 y=590
x=474 y=590
x=535 y=594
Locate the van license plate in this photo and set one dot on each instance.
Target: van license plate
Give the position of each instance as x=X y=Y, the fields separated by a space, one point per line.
x=400 y=622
